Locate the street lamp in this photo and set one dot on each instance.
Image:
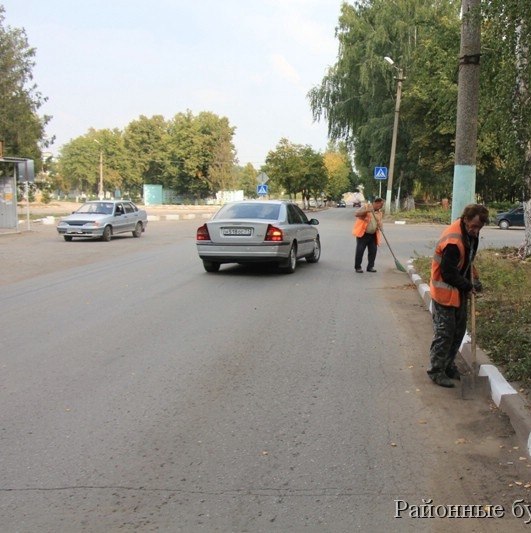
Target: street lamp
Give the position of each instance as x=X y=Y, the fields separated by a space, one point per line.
x=399 y=79
x=100 y=187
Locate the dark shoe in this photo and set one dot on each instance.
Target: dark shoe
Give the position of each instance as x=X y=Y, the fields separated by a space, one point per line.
x=453 y=373
x=359 y=270
x=371 y=270
x=443 y=380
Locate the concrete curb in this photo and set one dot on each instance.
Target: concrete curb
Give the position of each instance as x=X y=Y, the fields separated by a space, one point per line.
x=183 y=216
x=503 y=394
x=51 y=220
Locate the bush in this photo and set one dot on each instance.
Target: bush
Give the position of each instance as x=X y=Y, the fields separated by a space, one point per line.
x=432 y=215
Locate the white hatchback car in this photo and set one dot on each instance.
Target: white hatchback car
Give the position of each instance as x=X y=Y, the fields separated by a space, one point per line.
x=259 y=231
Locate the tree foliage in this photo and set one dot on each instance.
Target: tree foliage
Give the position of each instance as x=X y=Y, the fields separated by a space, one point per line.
x=506 y=99
x=191 y=155
x=194 y=155
x=338 y=170
x=357 y=94
x=146 y=141
x=297 y=169
x=21 y=127
x=422 y=36
x=246 y=180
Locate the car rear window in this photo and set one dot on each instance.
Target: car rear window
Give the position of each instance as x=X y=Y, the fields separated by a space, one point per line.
x=260 y=211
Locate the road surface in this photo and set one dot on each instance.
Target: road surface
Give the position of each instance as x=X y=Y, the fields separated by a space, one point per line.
x=140 y=393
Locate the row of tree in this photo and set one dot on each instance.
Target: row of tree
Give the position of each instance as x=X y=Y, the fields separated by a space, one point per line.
x=191 y=155
x=357 y=94
x=195 y=155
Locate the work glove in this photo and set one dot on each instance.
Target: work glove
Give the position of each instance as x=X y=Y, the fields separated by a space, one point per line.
x=478 y=286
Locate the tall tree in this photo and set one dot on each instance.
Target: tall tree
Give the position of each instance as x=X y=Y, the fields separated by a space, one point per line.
x=79 y=164
x=357 y=94
x=202 y=153
x=294 y=168
x=218 y=151
x=338 y=170
x=246 y=178
x=284 y=169
x=21 y=127
x=146 y=141
x=314 y=178
x=507 y=95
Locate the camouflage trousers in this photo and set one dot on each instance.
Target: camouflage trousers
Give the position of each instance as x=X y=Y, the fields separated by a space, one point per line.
x=449 y=327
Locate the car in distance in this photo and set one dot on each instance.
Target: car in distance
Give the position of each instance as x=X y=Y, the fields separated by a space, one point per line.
x=341 y=203
x=514 y=217
x=102 y=219
x=258 y=231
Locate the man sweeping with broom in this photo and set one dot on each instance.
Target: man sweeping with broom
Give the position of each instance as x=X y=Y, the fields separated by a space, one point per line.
x=367 y=232
x=450 y=286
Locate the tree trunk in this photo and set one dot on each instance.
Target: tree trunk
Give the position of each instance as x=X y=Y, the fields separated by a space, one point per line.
x=527 y=204
x=522 y=51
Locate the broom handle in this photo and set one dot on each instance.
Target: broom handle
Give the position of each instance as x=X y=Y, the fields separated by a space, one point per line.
x=472 y=321
x=388 y=246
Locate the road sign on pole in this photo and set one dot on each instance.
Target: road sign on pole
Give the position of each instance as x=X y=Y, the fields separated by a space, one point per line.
x=262 y=178
x=262 y=190
x=380 y=173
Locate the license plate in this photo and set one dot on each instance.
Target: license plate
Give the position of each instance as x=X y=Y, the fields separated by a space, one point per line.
x=245 y=232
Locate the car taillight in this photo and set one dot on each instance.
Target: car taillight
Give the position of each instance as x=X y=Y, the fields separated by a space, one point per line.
x=202 y=233
x=274 y=234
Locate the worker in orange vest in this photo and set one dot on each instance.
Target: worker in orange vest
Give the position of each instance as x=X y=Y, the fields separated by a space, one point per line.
x=450 y=287
x=367 y=232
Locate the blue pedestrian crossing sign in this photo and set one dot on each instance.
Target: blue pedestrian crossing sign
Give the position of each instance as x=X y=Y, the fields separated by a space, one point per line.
x=380 y=173
x=262 y=189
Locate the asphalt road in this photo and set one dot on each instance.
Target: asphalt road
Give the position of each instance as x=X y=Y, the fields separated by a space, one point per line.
x=140 y=393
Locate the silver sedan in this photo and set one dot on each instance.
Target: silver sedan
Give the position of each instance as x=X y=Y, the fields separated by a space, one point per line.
x=103 y=219
x=258 y=231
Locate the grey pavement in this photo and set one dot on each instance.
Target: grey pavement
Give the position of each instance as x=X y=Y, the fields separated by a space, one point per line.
x=510 y=401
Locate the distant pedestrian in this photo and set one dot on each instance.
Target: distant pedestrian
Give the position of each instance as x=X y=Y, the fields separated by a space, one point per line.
x=450 y=287
x=367 y=232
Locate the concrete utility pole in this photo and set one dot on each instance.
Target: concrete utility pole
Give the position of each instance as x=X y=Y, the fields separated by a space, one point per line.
x=464 y=187
x=399 y=81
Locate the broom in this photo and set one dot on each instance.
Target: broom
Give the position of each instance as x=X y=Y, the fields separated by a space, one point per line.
x=473 y=385
x=398 y=264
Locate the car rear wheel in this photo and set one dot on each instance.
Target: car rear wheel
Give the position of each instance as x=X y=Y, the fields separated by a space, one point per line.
x=67 y=238
x=211 y=266
x=291 y=263
x=107 y=234
x=313 y=258
x=138 y=230
x=503 y=224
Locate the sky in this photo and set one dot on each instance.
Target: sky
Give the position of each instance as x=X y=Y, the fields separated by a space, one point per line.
x=104 y=63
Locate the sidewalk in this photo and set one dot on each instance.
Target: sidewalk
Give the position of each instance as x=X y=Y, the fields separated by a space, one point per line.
x=503 y=394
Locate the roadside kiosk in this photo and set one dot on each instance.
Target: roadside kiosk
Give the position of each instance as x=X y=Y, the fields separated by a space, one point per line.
x=12 y=171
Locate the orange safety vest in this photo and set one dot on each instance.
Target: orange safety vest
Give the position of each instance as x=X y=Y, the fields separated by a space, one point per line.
x=362 y=222
x=440 y=291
